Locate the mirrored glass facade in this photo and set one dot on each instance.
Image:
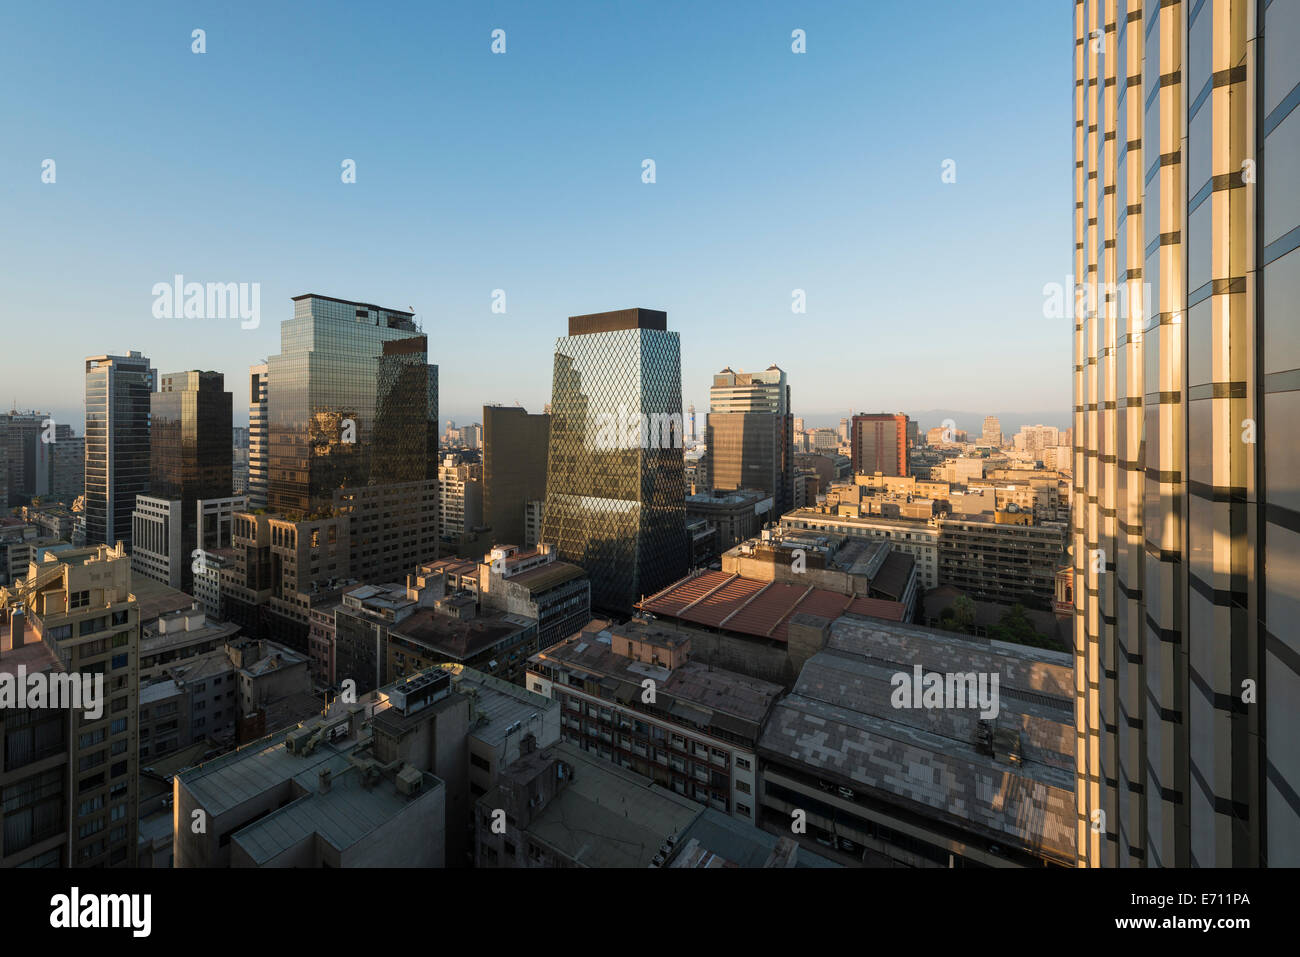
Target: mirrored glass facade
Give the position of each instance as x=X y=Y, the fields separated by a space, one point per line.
x=118 y=390
x=616 y=493
x=323 y=394
x=190 y=447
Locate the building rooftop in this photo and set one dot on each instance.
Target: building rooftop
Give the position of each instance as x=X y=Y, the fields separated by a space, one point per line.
x=341 y=816
x=34 y=656
x=458 y=639
x=499 y=703
x=606 y=816
x=616 y=320
x=694 y=684
x=157 y=691
x=723 y=841
x=840 y=720
x=546 y=577
x=761 y=609
x=227 y=781
x=154 y=599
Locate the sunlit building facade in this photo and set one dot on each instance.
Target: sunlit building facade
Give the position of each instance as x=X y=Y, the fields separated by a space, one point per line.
x=1186 y=527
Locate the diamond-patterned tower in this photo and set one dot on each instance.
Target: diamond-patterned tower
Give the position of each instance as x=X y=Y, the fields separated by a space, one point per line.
x=616 y=490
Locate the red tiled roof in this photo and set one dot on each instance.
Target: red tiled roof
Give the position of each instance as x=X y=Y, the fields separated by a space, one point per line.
x=726 y=600
x=677 y=596
x=763 y=609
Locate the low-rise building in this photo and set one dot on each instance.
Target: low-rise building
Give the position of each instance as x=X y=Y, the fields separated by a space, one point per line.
x=632 y=695
x=535 y=584
x=312 y=796
x=924 y=780
x=918 y=538
x=562 y=807
x=735 y=515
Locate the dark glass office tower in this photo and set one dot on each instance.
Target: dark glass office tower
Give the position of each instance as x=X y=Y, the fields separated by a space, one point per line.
x=322 y=397
x=616 y=493
x=118 y=390
x=190 y=446
x=406 y=414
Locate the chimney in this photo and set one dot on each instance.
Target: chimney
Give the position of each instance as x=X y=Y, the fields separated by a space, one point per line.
x=17 y=626
x=325 y=781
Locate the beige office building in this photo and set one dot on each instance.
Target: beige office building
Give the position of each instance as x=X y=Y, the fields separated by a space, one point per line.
x=1186 y=529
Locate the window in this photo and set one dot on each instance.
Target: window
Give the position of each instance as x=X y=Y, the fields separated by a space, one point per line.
x=79 y=599
x=91 y=739
x=32 y=735
x=32 y=810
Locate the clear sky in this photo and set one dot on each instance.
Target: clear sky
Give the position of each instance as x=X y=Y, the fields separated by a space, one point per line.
x=476 y=171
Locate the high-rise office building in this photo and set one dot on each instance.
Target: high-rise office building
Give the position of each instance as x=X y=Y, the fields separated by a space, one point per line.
x=879 y=443
x=352 y=486
x=190 y=437
x=190 y=446
x=31 y=439
x=1186 y=529
x=338 y=361
x=750 y=434
x=515 y=446
x=992 y=434
x=118 y=391
x=615 y=490
x=258 y=435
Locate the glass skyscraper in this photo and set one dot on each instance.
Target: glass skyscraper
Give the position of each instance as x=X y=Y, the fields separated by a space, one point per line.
x=338 y=361
x=1186 y=512
x=118 y=390
x=190 y=448
x=616 y=492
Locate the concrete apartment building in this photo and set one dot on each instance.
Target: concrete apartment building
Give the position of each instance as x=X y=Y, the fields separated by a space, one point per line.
x=996 y=557
x=632 y=695
x=78 y=603
x=177 y=638
x=460 y=500
x=36 y=803
x=534 y=583
x=920 y=539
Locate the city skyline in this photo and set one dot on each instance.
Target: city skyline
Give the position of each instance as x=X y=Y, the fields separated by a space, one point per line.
x=863 y=229
x=610 y=436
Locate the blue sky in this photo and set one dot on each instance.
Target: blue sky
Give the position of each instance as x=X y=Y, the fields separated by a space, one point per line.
x=522 y=172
